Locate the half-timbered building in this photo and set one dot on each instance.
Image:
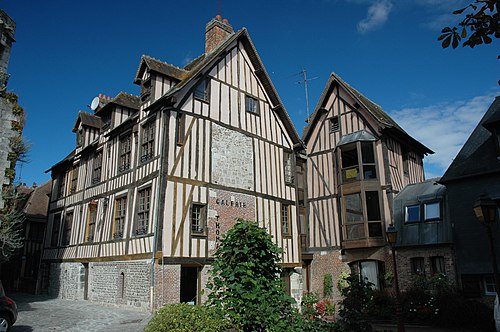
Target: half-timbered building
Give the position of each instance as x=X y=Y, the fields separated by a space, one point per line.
x=139 y=207
x=358 y=160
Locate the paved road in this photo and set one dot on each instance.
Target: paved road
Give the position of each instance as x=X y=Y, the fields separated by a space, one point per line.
x=42 y=313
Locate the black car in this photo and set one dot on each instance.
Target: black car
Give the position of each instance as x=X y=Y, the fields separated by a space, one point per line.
x=8 y=311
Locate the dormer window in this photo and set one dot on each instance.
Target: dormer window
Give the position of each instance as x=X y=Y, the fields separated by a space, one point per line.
x=79 y=137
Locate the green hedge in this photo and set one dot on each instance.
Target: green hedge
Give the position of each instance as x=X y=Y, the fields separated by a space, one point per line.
x=186 y=318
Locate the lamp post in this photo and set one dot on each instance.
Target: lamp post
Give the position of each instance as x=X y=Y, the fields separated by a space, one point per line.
x=486 y=212
x=392 y=237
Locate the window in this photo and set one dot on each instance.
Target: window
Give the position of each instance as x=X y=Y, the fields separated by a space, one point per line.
x=148 y=141
x=143 y=211
x=145 y=90
x=119 y=221
x=91 y=220
x=334 y=124
x=406 y=170
x=202 y=91
x=56 y=225
x=432 y=211
x=288 y=163
x=437 y=264
x=352 y=169
x=412 y=213
x=356 y=222
x=368 y=271
x=125 y=153
x=68 y=224
x=79 y=137
x=198 y=219
x=489 y=285
x=181 y=127
x=285 y=219
x=252 y=105
x=61 y=186
x=417 y=265
x=74 y=179
x=97 y=167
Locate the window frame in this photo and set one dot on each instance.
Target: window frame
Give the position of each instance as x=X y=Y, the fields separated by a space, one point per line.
x=252 y=105
x=361 y=216
x=61 y=186
x=91 y=222
x=119 y=218
x=56 y=229
x=68 y=220
x=202 y=93
x=415 y=264
x=424 y=207
x=148 y=135
x=74 y=179
x=334 y=124
x=407 y=214
x=143 y=211
x=125 y=153
x=180 y=132
x=198 y=219
x=435 y=262
x=97 y=167
x=361 y=166
x=488 y=281
x=286 y=225
x=288 y=168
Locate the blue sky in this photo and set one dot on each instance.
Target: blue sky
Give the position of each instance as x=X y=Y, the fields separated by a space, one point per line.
x=67 y=52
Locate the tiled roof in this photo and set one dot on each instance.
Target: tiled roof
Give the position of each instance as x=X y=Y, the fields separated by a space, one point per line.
x=38 y=201
x=127 y=100
x=478 y=155
x=88 y=119
x=160 y=67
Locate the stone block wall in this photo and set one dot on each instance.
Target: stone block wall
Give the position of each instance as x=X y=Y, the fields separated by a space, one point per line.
x=67 y=280
x=125 y=283
x=404 y=255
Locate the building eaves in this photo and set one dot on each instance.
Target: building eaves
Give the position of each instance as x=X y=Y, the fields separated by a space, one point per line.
x=159 y=67
x=89 y=120
x=69 y=158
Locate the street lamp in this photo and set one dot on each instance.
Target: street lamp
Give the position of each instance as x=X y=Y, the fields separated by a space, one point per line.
x=392 y=238
x=486 y=212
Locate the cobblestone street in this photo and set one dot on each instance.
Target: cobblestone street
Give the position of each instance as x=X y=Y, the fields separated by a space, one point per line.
x=42 y=313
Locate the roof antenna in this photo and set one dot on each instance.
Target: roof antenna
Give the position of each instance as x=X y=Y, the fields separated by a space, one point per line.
x=304 y=81
x=218 y=9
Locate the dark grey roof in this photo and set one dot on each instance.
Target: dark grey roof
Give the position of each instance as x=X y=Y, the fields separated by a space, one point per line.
x=360 y=135
x=36 y=201
x=159 y=67
x=421 y=191
x=478 y=156
x=87 y=119
x=388 y=125
x=127 y=100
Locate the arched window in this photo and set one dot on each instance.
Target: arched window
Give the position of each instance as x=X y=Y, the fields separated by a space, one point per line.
x=121 y=286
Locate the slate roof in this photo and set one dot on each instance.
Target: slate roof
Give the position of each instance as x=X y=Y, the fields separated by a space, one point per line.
x=88 y=119
x=122 y=99
x=159 y=67
x=478 y=156
x=386 y=122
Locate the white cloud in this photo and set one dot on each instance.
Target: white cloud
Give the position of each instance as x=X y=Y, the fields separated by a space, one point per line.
x=443 y=128
x=377 y=15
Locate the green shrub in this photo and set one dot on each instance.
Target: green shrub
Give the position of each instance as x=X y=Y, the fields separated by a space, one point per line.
x=327 y=285
x=353 y=308
x=382 y=305
x=455 y=311
x=186 y=318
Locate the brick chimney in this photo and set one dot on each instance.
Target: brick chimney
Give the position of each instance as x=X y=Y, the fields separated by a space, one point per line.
x=216 y=32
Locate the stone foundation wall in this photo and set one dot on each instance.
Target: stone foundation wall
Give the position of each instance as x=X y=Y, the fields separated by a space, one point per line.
x=66 y=280
x=167 y=284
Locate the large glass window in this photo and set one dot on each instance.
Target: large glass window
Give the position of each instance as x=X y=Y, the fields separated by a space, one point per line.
x=362 y=215
x=368 y=271
x=352 y=169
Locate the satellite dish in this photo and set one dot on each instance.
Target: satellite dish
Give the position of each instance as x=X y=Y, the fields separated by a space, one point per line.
x=94 y=104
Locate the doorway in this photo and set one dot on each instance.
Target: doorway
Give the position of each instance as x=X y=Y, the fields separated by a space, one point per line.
x=189 y=285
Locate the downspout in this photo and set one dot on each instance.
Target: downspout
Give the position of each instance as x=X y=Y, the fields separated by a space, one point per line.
x=157 y=212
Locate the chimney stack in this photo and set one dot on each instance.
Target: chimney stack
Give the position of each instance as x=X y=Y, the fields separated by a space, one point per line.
x=216 y=32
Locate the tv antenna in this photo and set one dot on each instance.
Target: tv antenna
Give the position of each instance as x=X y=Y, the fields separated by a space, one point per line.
x=304 y=81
